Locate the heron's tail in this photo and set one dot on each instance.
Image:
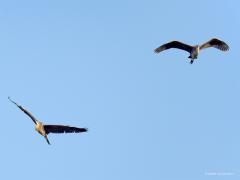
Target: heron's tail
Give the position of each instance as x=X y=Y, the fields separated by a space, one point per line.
x=47 y=140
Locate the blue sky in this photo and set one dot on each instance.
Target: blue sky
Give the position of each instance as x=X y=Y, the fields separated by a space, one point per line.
x=91 y=64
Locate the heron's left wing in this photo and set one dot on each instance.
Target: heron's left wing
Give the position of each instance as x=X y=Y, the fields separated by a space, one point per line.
x=215 y=43
x=63 y=129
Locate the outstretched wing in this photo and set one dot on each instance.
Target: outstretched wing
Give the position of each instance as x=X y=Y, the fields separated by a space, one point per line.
x=215 y=43
x=24 y=110
x=62 y=129
x=174 y=44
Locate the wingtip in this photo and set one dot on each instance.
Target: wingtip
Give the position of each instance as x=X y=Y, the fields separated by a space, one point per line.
x=159 y=49
x=156 y=51
x=9 y=98
x=12 y=100
x=227 y=48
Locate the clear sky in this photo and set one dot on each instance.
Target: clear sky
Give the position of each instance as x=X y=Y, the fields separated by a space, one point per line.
x=91 y=64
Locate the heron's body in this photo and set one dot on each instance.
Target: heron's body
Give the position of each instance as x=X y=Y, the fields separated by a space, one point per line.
x=39 y=127
x=193 y=50
x=194 y=53
x=44 y=130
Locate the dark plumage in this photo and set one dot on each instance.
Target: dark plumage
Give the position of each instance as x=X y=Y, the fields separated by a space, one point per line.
x=193 y=50
x=221 y=45
x=25 y=111
x=174 y=44
x=44 y=130
x=62 y=129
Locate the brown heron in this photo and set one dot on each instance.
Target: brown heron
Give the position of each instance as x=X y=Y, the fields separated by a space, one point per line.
x=44 y=130
x=193 y=50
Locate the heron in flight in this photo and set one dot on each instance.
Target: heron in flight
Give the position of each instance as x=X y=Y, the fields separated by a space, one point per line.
x=44 y=130
x=193 y=50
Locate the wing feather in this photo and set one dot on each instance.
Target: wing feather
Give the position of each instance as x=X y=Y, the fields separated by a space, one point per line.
x=63 y=129
x=24 y=110
x=215 y=43
x=174 y=44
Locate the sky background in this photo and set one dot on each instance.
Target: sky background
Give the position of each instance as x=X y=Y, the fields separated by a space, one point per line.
x=91 y=64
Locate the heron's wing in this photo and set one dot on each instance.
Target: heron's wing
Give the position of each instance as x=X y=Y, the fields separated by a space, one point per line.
x=174 y=44
x=24 y=110
x=62 y=129
x=215 y=43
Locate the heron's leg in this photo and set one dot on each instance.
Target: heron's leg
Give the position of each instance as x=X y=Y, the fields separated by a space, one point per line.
x=47 y=139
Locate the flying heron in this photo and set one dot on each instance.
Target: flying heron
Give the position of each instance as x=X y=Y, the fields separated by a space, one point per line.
x=44 y=130
x=193 y=50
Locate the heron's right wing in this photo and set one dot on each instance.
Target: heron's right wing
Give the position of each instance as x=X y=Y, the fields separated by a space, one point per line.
x=24 y=110
x=174 y=44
